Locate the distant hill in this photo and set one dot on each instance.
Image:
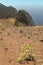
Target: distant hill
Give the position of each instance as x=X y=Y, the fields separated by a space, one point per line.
x=7 y=12
x=24 y=18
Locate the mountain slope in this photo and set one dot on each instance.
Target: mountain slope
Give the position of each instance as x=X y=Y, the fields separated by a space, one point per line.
x=22 y=17
x=7 y=12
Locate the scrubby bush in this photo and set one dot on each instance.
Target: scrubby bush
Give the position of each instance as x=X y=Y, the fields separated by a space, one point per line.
x=26 y=53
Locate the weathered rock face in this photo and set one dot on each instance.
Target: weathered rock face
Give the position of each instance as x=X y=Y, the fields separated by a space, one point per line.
x=23 y=18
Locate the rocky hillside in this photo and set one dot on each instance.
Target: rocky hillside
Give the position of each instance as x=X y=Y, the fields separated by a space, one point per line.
x=7 y=12
x=22 y=17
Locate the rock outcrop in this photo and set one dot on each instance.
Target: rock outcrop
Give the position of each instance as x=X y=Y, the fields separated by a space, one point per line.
x=24 y=18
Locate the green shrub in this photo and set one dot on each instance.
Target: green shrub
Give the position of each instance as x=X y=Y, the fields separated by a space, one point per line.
x=18 y=23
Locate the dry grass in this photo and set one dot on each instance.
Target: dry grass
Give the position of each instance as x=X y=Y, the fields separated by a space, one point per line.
x=12 y=38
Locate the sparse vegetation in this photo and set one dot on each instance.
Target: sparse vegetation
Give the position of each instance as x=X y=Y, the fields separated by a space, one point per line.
x=16 y=23
x=18 y=47
x=26 y=53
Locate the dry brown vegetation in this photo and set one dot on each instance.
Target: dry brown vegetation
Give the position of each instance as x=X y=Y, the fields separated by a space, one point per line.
x=12 y=38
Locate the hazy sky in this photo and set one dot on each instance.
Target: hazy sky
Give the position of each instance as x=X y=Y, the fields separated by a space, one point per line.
x=23 y=3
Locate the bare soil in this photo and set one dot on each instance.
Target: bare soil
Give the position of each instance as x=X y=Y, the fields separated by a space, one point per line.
x=11 y=39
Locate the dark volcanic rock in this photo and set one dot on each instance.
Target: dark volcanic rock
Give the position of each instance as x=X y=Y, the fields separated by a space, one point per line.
x=23 y=18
